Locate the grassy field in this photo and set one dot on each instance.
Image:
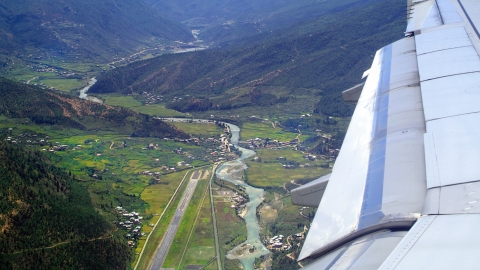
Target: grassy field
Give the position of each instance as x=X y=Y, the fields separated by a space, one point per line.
x=135 y=105
x=156 y=235
x=270 y=171
x=60 y=83
x=83 y=71
x=231 y=228
x=201 y=130
x=266 y=130
x=201 y=246
x=187 y=226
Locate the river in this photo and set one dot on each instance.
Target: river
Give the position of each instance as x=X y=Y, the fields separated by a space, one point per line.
x=233 y=171
x=83 y=92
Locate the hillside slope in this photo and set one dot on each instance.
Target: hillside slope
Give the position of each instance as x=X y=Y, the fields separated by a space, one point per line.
x=47 y=107
x=47 y=220
x=324 y=56
x=89 y=29
x=227 y=20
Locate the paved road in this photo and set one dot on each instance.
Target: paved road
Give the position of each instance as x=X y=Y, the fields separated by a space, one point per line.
x=217 y=246
x=162 y=250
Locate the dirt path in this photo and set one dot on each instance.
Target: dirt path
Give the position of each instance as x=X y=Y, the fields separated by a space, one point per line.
x=28 y=82
x=106 y=235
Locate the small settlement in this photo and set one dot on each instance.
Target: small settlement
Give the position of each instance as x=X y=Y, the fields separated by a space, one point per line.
x=277 y=243
x=131 y=222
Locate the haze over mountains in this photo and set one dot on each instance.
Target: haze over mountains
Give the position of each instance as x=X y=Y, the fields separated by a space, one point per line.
x=222 y=21
x=87 y=29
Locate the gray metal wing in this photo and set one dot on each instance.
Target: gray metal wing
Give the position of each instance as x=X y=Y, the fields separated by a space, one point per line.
x=408 y=172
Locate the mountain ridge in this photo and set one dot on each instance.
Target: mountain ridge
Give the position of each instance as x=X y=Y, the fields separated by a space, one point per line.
x=83 y=29
x=225 y=21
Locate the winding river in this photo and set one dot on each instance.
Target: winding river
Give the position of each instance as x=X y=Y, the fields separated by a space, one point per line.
x=83 y=92
x=233 y=171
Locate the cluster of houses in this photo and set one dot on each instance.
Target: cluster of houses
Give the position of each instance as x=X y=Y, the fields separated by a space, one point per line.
x=238 y=202
x=152 y=98
x=151 y=146
x=167 y=169
x=276 y=243
x=33 y=139
x=28 y=138
x=63 y=147
x=267 y=143
x=48 y=69
x=131 y=222
x=310 y=157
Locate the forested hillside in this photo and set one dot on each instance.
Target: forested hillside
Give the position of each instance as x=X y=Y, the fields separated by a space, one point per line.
x=47 y=220
x=324 y=56
x=47 y=107
x=79 y=30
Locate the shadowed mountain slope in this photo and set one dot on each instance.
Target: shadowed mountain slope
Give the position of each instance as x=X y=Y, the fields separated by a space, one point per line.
x=47 y=107
x=228 y=20
x=47 y=220
x=87 y=29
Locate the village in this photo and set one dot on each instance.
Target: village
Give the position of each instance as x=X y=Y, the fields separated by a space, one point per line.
x=152 y=98
x=277 y=243
x=131 y=222
x=50 y=69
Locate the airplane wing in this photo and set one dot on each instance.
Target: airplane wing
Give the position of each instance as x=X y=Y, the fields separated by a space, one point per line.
x=404 y=191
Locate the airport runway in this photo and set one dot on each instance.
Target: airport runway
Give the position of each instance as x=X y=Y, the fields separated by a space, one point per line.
x=162 y=250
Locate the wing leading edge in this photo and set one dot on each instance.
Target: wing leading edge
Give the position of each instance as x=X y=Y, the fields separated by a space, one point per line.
x=406 y=173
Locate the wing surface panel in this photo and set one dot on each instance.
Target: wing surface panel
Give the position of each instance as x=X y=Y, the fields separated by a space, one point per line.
x=471 y=9
x=456 y=150
x=456 y=199
x=425 y=14
x=439 y=242
x=367 y=252
x=448 y=12
x=448 y=62
x=451 y=96
x=444 y=39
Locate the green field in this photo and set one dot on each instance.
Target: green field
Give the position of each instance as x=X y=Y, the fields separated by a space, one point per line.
x=270 y=171
x=266 y=130
x=165 y=216
x=201 y=245
x=196 y=129
x=189 y=227
x=60 y=83
x=83 y=71
x=231 y=228
x=135 y=105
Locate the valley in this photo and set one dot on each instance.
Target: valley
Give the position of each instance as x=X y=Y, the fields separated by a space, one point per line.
x=275 y=70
